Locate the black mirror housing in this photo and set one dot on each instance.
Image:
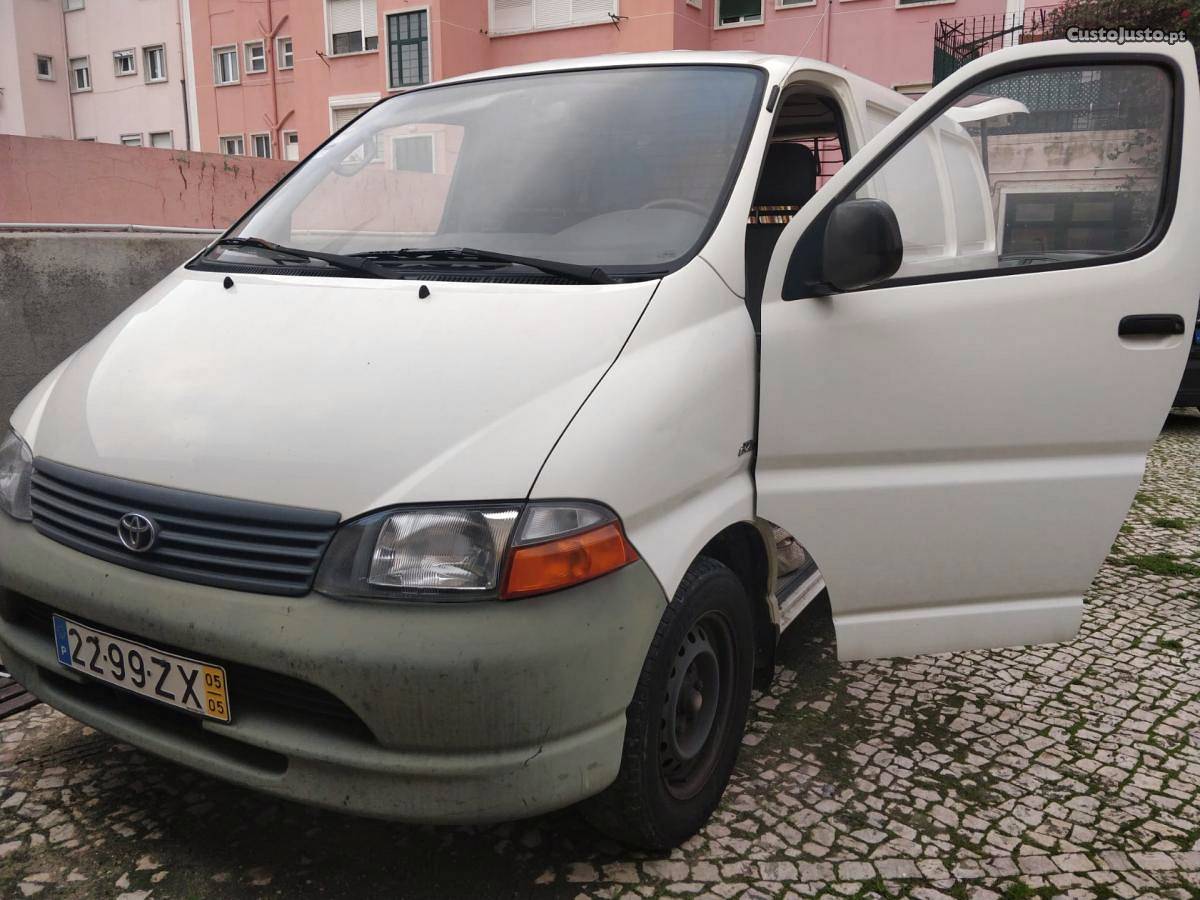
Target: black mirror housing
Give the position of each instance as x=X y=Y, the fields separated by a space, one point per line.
x=862 y=245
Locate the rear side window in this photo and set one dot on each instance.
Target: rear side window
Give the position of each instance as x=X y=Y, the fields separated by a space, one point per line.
x=1045 y=166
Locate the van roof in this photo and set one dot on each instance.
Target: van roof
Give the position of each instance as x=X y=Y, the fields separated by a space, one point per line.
x=777 y=65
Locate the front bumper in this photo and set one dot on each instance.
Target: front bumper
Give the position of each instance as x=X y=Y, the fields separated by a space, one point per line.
x=435 y=713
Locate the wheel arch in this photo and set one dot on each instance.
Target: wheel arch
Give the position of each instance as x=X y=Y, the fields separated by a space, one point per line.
x=748 y=551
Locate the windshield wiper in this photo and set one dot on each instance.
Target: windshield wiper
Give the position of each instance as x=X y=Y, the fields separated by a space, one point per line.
x=589 y=274
x=337 y=260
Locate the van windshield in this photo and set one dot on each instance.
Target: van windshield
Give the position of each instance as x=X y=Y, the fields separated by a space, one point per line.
x=622 y=169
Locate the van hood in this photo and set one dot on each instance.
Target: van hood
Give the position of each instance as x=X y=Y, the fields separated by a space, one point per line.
x=338 y=394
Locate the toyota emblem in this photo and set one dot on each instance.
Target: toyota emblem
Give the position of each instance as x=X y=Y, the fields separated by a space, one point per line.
x=137 y=532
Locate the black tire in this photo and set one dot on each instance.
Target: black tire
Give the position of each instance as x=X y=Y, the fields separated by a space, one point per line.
x=682 y=733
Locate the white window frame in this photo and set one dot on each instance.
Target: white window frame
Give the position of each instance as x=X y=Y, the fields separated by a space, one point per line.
x=492 y=32
x=241 y=138
x=86 y=67
x=170 y=137
x=246 y=45
x=37 y=60
x=286 y=143
x=254 y=149
x=779 y=4
x=128 y=53
x=146 y=51
x=279 y=54
x=387 y=53
x=125 y=139
x=216 y=52
x=72 y=5
x=744 y=22
x=362 y=19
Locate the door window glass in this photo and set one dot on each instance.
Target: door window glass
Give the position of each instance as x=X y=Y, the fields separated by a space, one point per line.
x=1044 y=166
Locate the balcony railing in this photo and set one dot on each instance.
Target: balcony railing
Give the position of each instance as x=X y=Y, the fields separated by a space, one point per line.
x=958 y=41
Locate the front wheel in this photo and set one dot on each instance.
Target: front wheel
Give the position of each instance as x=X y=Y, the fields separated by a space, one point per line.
x=685 y=724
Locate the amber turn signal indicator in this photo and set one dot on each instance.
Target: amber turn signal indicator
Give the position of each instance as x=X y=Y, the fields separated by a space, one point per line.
x=566 y=561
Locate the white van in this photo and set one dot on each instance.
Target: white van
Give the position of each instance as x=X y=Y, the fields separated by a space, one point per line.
x=477 y=469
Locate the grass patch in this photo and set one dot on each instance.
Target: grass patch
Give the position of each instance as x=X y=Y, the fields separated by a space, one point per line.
x=1170 y=644
x=1019 y=890
x=1126 y=529
x=1159 y=564
x=1171 y=522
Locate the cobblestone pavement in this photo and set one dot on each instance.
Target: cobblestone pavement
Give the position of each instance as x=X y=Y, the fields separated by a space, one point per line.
x=1061 y=770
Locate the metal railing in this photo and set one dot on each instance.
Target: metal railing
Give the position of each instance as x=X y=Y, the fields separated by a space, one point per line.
x=957 y=42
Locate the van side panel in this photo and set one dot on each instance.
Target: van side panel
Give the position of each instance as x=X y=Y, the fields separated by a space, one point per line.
x=663 y=438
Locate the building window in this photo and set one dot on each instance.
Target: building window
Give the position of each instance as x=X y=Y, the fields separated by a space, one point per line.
x=256 y=57
x=81 y=75
x=45 y=68
x=155 y=59
x=131 y=140
x=788 y=4
x=738 y=12
x=342 y=115
x=72 y=5
x=260 y=144
x=515 y=16
x=86 y=140
x=233 y=145
x=162 y=140
x=291 y=145
x=225 y=65
x=353 y=26
x=413 y=153
x=124 y=63
x=408 y=49
x=284 y=58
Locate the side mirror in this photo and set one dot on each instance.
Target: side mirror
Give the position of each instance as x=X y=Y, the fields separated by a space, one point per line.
x=861 y=246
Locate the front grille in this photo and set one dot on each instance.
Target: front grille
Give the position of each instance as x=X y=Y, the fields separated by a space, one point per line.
x=249 y=686
x=235 y=544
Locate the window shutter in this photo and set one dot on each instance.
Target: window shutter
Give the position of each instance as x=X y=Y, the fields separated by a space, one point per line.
x=592 y=10
x=552 y=13
x=345 y=15
x=370 y=18
x=343 y=115
x=512 y=15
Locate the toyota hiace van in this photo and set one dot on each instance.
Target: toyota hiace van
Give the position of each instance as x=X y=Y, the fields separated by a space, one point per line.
x=477 y=469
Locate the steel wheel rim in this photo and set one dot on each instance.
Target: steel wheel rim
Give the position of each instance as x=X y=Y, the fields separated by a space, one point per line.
x=696 y=705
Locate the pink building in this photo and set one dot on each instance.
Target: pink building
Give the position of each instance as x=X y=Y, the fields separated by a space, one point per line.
x=275 y=77
x=112 y=71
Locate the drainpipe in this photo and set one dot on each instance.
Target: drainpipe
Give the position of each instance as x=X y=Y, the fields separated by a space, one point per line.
x=828 y=39
x=70 y=74
x=269 y=32
x=183 y=94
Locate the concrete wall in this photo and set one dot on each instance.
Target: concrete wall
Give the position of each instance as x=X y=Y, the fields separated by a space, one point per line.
x=57 y=290
x=49 y=181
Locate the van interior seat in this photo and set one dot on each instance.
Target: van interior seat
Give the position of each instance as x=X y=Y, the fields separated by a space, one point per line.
x=788 y=181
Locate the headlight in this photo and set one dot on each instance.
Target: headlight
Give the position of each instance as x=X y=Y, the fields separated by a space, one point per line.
x=473 y=552
x=16 y=474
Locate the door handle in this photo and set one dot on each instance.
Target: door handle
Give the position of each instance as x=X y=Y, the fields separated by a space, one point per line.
x=1135 y=326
